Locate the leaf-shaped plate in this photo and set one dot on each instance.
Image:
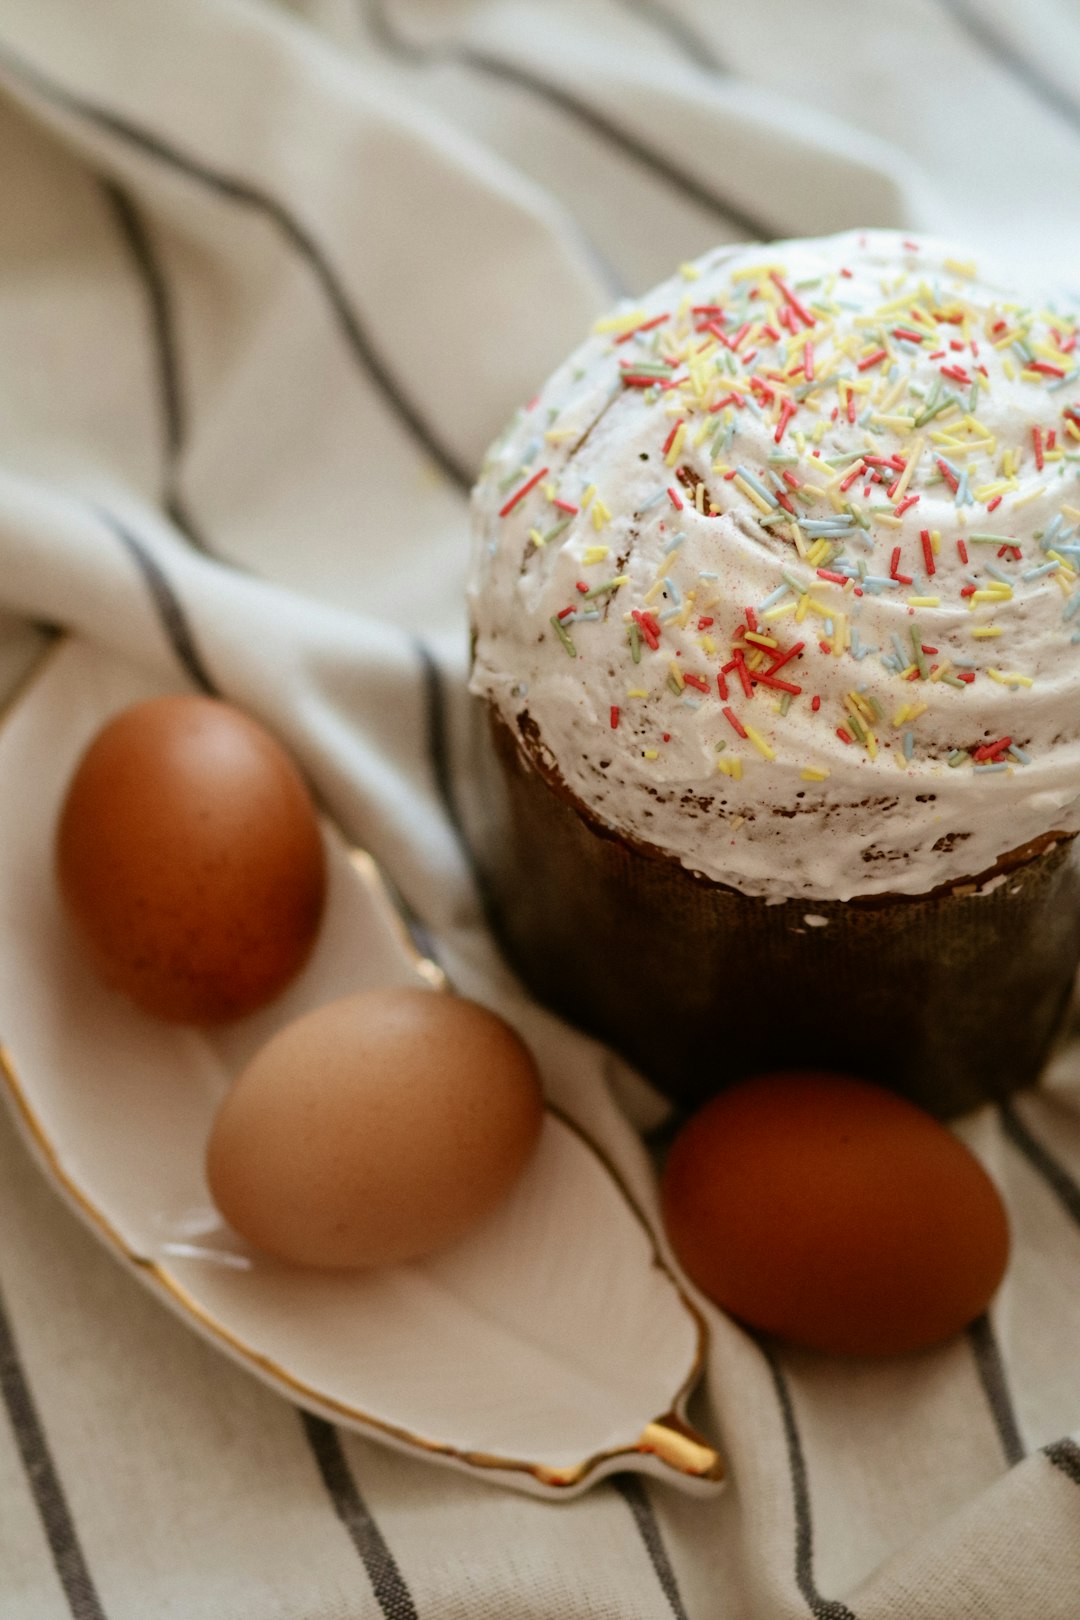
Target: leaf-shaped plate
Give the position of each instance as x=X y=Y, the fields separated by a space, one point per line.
x=548 y=1349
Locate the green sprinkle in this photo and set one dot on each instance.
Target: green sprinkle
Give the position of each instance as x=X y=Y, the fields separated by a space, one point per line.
x=856 y=725
x=563 y=636
x=603 y=590
x=957 y=757
x=785 y=702
x=555 y=530
x=635 y=642
x=920 y=657
x=954 y=680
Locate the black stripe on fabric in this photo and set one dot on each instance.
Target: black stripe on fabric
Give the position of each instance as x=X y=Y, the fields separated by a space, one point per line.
x=996 y=44
x=624 y=140
x=991 y=1370
x=298 y=237
x=683 y=35
x=821 y=1608
x=387 y=1583
x=169 y=608
x=438 y=742
x=1055 y=1175
x=136 y=238
x=45 y=1484
x=1065 y=1454
x=632 y=1489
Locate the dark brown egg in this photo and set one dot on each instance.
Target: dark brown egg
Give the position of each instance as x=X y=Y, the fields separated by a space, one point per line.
x=190 y=860
x=834 y=1214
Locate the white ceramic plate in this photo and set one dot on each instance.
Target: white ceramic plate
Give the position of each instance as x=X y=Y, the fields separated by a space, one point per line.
x=549 y=1349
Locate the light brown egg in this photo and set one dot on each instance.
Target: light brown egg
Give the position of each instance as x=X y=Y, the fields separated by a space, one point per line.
x=834 y=1214
x=190 y=860
x=375 y=1129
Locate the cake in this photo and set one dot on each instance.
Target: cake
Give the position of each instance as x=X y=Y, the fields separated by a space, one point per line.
x=774 y=602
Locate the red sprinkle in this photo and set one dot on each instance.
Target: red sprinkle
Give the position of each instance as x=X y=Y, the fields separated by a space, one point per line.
x=646 y=326
x=1036 y=434
x=852 y=475
x=808 y=361
x=675 y=498
x=991 y=506
x=834 y=579
x=703 y=623
x=792 y=652
x=927 y=551
x=567 y=506
x=696 y=680
x=949 y=478
x=520 y=494
x=988 y=750
x=815 y=704
x=582 y=587
x=874 y=359
x=734 y=722
x=967 y=675
x=961 y=547
x=843 y=735
x=906 y=505
x=721 y=686
x=670 y=440
x=789 y=298
x=787 y=411
x=614 y=717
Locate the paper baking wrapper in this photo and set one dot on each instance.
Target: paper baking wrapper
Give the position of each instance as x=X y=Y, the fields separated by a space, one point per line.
x=952 y=998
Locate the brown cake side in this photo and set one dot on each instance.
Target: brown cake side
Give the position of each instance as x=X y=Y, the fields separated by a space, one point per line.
x=952 y=997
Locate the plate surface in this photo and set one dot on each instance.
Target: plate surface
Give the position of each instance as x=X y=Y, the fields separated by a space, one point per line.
x=550 y=1348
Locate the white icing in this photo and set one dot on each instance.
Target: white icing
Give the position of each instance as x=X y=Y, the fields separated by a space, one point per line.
x=873 y=824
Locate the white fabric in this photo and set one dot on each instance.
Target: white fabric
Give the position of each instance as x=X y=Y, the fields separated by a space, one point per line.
x=294 y=212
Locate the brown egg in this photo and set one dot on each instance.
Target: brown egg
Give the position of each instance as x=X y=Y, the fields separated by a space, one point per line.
x=190 y=860
x=375 y=1129
x=834 y=1214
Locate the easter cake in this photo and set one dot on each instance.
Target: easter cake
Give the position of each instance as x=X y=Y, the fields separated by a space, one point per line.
x=775 y=642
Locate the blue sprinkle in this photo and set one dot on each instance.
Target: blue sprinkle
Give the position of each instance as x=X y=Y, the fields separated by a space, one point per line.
x=1039 y=573
x=673 y=591
x=674 y=544
x=1063 y=382
x=692 y=703
x=773 y=597
x=654 y=500
x=1018 y=753
x=1004 y=578
x=672 y=613
x=997 y=765
x=909 y=744
x=901 y=651
x=756 y=484
x=1071 y=606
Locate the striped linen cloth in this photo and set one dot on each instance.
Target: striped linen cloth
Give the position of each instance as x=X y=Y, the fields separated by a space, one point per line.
x=271 y=276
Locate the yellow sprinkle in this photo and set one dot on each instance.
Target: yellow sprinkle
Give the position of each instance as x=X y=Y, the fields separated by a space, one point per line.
x=1072 y=512
x=653 y=591
x=1000 y=593
x=761 y=641
x=819 y=608
x=676 y=445
x=556 y=435
x=1010 y=679
x=1032 y=495
x=814 y=773
x=652 y=753
x=871 y=745
x=600 y=514
x=760 y=744
x=689 y=272
x=620 y=323
x=962 y=267
x=549 y=491
x=889 y=521
x=673 y=669
x=594 y=554
x=636 y=691
x=751 y=494
x=986 y=631
x=924 y=601
x=779 y=612
x=587 y=497
x=537 y=538
x=899 y=760
x=1071 y=428
x=912 y=462
x=935 y=541
x=731 y=765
